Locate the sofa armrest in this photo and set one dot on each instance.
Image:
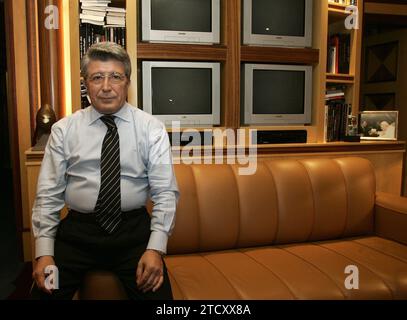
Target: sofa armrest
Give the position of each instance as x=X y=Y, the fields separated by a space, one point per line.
x=391 y=217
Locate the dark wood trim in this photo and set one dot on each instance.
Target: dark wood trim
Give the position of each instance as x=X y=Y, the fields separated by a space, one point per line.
x=335 y=147
x=48 y=54
x=231 y=75
x=280 y=55
x=13 y=121
x=346 y=78
x=33 y=74
x=171 y=51
x=43 y=49
x=60 y=63
x=337 y=6
x=404 y=177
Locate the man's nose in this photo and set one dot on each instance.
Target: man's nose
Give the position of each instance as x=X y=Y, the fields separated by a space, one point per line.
x=106 y=84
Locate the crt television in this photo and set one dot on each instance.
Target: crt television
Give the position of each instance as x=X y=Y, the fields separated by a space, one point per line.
x=188 y=92
x=277 y=23
x=276 y=94
x=184 y=21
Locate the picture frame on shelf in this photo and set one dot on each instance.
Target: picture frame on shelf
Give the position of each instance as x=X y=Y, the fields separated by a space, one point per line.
x=378 y=125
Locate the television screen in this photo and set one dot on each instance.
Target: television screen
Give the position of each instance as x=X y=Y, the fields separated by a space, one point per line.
x=190 y=93
x=181 y=21
x=186 y=15
x=278 y=17
x=277 y=22
x=278 y=92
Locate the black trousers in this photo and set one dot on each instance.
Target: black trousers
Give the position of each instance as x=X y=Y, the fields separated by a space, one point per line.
x=81 y=245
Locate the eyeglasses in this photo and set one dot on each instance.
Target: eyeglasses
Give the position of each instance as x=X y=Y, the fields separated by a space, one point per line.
x=113 y=78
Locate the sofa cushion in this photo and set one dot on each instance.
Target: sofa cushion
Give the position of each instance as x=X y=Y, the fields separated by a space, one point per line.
x=297 y=271
x=285 y=201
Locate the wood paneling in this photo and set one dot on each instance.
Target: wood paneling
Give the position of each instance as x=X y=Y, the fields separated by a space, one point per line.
x=340 y=78
x=32 y=46
x=12 y=115
x=18 y=105
x=131 y=32
x=48 y=53
x=231 y=74
x=386 y=8
x=280 y=55
x=168 y=51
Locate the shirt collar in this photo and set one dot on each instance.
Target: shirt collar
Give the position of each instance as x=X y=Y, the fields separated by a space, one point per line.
x=124 y=114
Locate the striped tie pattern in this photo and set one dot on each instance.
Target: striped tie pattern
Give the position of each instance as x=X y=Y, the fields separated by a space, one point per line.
x=108 y=205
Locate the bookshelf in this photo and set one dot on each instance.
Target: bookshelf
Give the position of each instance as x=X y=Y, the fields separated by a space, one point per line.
x=328 y=18
x=332 y=16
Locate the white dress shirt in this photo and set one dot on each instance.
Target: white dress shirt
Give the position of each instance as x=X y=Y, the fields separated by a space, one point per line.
x=70 y=172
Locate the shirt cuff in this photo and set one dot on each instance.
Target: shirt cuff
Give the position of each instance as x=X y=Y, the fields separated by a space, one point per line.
x=158 y=241
x=44 y=247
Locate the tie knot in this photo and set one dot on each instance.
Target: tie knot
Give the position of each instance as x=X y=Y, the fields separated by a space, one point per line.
x=109 y=122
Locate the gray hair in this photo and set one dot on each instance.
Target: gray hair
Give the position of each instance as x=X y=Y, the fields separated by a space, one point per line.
x=105 y=51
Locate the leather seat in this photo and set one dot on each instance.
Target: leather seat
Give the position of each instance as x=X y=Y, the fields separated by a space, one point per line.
x=290 y=231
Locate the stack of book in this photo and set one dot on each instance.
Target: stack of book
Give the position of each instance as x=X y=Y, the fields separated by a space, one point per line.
x=337 y=115
x=116 y=25
x=334 y=93
x=338 y=59
x=99 y=22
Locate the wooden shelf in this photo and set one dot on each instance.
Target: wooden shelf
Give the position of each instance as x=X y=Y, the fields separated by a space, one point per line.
x=294 y=148
x=336 y=12
x=340 y=78
x=364 y=146
x=188 y=52
x=279 y=55
x=337 y=7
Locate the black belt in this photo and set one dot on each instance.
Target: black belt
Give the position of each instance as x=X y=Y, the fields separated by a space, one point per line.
x=91 y=217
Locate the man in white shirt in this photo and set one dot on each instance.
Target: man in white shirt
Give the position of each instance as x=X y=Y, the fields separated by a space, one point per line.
x=388 y=131
x=103 y=163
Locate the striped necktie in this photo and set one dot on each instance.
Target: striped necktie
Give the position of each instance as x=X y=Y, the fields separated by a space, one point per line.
x=108 y=205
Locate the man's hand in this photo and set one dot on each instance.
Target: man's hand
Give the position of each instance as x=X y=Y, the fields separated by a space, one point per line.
x=149 y=274
x=39 y=272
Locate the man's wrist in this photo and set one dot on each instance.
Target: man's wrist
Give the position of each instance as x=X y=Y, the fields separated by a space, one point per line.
x=161 y=253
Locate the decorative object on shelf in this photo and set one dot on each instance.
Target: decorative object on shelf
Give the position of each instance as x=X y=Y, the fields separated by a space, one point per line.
x=44 y=120
x=378 y=125
x=352 y=126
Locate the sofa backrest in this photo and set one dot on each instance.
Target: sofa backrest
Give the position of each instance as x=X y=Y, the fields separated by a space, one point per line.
x=285 y=201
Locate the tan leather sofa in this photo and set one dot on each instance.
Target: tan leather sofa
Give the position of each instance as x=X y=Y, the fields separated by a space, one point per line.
x=290 y=231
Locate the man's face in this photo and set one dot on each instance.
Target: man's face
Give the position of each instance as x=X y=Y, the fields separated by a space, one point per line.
x=384 y=125
x=107 y=93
